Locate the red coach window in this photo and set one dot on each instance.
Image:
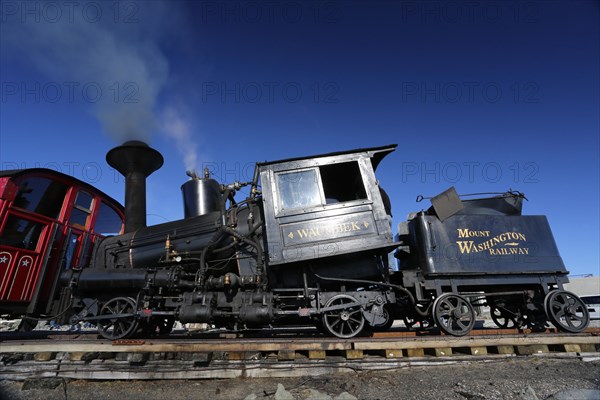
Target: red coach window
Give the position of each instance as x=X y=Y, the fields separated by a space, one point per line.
x=21 y=233
x=41 y=196
x=81 y=209
x=109 y=222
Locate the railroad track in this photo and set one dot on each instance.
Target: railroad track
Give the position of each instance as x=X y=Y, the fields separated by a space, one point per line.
x=288 y=353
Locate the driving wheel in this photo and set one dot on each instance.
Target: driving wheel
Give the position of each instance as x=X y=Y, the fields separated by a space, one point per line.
x=346 y=320
x=117 y=318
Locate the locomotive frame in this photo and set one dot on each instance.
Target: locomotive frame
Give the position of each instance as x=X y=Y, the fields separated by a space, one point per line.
x=311 y=245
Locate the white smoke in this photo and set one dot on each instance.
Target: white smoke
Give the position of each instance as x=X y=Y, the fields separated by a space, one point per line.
x=123 y=61
x=176 y=127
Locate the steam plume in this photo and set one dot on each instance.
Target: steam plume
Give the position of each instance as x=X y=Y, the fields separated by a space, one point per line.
x=176 y=127
x=124 y=62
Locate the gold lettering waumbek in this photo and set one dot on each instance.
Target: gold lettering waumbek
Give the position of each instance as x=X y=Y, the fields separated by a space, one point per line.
x=318 y=231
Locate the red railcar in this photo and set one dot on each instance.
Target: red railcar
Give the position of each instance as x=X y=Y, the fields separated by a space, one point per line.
x=49 y=222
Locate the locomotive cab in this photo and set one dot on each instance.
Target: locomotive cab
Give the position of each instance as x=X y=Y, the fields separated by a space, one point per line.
x=319 y=210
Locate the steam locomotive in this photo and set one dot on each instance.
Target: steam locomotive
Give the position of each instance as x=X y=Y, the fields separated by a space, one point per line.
x=310 y=244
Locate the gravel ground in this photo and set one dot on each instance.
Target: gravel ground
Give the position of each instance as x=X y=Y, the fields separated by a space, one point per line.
x=529 y=378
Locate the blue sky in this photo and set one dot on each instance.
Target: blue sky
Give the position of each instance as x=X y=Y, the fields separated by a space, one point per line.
x=483 y=96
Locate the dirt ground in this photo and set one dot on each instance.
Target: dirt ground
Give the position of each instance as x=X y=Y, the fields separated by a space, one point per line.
x=528 y=378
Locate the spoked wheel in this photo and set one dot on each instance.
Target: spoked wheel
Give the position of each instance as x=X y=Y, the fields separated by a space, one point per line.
x=123 y=321
x=344 y=322
x=453 y=314
x=566 y=311
x=502 y=317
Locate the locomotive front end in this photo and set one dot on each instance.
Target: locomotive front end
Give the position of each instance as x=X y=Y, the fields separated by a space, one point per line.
x=203 y=268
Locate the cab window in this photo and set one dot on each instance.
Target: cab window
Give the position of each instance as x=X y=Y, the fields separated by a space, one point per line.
x=342 y=182
x=298 y=189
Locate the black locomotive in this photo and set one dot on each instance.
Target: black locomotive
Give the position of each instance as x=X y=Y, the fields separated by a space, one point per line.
x=311 y=245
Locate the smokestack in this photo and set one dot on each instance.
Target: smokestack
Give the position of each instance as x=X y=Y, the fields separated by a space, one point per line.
x=135 y=160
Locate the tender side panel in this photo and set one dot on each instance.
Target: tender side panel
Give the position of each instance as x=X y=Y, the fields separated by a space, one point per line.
x=467 y=244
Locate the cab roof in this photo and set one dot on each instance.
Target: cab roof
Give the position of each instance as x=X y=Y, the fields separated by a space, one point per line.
x=376 y=154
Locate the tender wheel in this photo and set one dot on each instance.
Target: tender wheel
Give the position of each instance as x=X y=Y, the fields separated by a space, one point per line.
x=345 y=322
x=566 y=311
x=123 y=322
x=502 y=318
x=453 y=314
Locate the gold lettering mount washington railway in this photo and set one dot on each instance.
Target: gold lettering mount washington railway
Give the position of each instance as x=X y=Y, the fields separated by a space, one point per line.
x=506 y=243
